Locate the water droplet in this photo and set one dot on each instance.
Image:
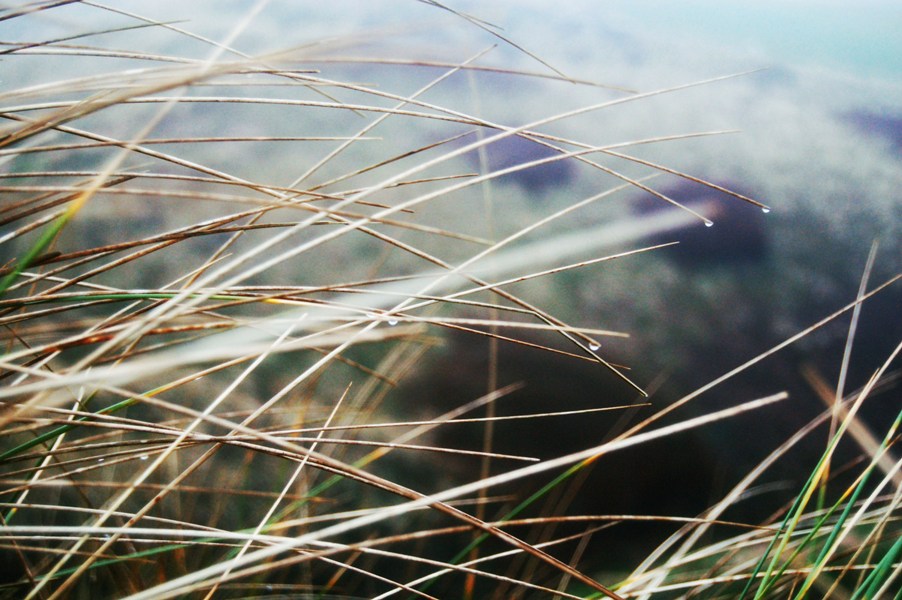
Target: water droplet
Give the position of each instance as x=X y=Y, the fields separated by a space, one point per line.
x=709 y=223
x=393 y=322
x=144 y=457
x=594 y=347
x=765 y=209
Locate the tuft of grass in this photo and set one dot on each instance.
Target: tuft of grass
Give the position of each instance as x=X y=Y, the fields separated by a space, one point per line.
x=219 y=270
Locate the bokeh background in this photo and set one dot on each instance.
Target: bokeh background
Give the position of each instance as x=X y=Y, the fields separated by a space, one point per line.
x=811 y=125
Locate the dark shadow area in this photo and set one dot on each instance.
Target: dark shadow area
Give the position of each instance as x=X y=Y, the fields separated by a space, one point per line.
x=511 y=151
x=668 y=477
x=738 y=236
x=885 y=126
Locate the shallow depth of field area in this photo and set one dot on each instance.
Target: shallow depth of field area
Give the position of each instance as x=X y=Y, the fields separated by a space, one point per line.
x=429 y=299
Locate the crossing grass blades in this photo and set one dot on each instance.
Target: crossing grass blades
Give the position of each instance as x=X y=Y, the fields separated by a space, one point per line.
x=218 y=270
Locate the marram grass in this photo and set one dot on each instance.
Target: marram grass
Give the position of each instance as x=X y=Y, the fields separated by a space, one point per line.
x=220 y=267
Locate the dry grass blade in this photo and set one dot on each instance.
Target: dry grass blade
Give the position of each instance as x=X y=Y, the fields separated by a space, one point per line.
x=241 y=257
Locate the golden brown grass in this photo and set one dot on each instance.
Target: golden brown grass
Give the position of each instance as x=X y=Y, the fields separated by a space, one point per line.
x=202 y=351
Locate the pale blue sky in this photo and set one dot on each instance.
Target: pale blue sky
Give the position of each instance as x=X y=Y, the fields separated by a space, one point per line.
x=863 y=36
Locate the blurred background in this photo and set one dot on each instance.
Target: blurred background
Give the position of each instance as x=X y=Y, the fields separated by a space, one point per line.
x=811 y=126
